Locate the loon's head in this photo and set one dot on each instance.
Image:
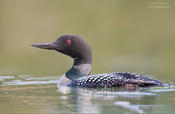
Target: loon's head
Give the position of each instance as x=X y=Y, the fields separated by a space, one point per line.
x=71 y=45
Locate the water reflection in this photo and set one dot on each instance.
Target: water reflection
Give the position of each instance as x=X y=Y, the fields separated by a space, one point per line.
x=134 y=108
x=26 y=92
x=93 y=100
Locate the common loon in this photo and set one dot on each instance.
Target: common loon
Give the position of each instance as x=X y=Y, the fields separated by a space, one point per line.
x=79 y=75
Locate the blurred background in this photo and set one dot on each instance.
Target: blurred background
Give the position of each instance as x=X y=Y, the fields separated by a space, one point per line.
x=124 y=35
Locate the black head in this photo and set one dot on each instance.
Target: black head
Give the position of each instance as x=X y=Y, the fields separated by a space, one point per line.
x=71 y=45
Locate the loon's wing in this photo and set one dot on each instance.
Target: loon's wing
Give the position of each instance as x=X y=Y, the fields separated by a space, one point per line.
x=141 y=81
x=115 y=79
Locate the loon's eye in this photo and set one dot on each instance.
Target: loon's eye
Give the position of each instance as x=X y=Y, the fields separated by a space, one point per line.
x=68 y=42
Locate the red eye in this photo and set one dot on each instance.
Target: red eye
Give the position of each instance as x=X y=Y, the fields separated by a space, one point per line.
x=68 y=42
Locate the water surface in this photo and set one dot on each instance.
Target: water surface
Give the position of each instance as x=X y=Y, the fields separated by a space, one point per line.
x=31 y=94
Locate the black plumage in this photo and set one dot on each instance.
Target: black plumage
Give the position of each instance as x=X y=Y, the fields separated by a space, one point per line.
x=115 y=79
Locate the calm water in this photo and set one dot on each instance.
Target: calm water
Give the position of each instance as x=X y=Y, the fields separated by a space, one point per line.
x=31 y=94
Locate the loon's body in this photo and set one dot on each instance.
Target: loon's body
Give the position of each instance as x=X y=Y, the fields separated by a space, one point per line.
x=79 y=74
x=115 y=79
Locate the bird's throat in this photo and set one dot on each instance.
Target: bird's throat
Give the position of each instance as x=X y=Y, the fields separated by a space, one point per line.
x=78 y=70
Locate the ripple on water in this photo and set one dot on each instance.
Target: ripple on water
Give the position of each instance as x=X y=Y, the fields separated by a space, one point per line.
x=26 y=80
x=2 y=78
x=20 y=82
x=125 y=94
x=133 y=108
x=163 y=89
x=43 y=78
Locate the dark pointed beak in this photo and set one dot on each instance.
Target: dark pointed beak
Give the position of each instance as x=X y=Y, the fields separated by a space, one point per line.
x=49 y=46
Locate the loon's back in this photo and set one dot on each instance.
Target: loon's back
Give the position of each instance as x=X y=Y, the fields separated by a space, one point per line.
x=115 y=79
